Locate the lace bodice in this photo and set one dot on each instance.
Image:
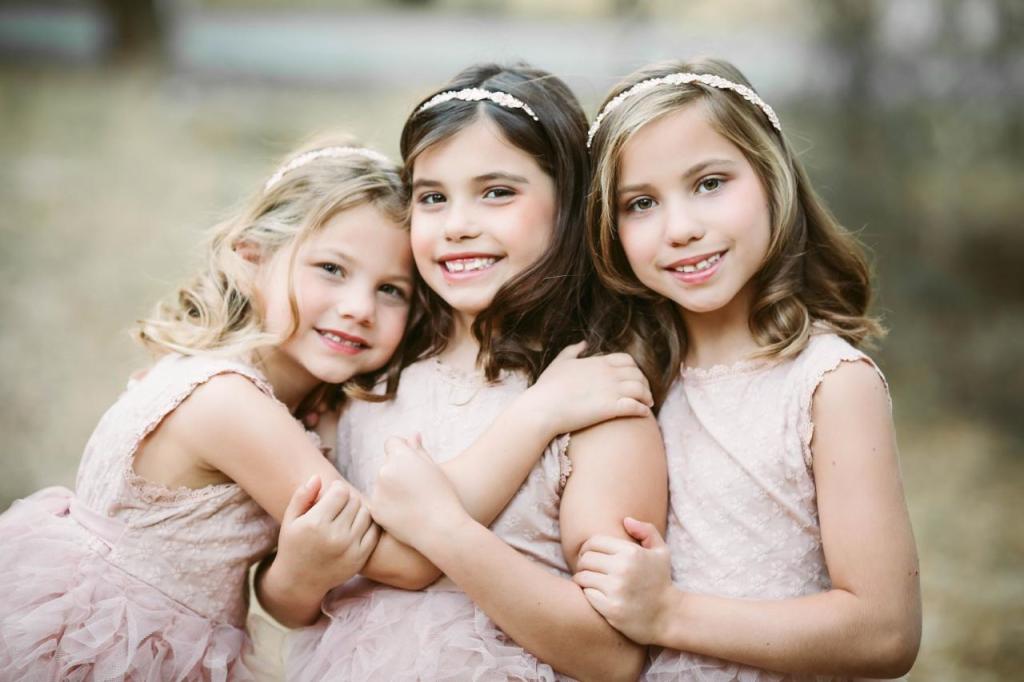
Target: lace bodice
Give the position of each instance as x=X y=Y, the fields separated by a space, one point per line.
x=743 y=516
x=194 y=545
x=450 y=410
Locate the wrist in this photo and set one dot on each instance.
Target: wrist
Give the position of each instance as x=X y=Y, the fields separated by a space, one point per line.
x=532 y=418
x=283 y=584
x=668 y=617
x=438 y=542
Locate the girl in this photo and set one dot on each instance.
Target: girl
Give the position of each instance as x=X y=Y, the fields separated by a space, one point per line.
x=141 y=575
x=788 y=540
x=496 y=162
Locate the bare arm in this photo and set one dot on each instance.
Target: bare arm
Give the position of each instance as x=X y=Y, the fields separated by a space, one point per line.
x=619 y=469
x=869 y=623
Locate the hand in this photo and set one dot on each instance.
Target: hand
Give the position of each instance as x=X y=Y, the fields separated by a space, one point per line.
x=574 y=393
x=413 y=498
x=325 y=542
x=629 y=584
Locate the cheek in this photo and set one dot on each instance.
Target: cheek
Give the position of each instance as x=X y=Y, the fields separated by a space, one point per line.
x=421 y=240
x=640 y=247
x=393 y=327
x=531 y=233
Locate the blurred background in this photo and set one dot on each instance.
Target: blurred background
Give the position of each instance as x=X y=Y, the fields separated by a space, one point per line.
x=129 y=126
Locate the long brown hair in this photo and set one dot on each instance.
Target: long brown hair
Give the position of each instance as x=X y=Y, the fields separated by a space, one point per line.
x=814 y=274
x=541 y=309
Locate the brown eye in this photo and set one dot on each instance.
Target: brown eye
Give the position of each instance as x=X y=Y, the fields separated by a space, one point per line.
x=640 y=204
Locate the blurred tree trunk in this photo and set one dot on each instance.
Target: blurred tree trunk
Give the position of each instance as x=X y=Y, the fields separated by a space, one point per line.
x=138 y=31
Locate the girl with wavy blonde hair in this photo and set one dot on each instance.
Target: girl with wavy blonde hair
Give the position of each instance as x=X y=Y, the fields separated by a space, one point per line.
x=789 y=547
x=141 y=573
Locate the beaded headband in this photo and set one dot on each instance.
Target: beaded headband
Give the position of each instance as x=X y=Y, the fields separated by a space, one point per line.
x=681 y=79
x=331 y=152
x=476 y=95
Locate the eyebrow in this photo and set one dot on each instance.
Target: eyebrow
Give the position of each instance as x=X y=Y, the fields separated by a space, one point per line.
x=696 y=168
x=486 y=177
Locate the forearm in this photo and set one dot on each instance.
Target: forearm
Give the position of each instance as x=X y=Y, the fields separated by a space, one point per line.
x=486 y=475
x=544 y=613
x=489 y=472
x=834 y=632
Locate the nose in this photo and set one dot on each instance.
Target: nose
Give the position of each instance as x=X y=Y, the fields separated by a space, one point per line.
x=359 y=306
x=459 y=223
x=682 y=226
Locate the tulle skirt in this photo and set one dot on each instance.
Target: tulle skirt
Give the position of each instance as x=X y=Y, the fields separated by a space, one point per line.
x=374 y=632
x=66 y=613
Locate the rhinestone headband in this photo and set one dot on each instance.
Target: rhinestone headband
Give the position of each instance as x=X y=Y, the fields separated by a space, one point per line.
x=331 y=152
x=681 y=79
x=476 y=95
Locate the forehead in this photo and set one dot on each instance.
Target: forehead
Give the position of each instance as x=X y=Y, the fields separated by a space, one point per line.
x=479 y=148
x=363 y=233
x=679 y=137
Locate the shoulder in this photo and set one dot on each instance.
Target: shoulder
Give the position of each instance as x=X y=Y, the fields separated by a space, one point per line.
x=219 y=408
x=851 y=383
x=623 y=437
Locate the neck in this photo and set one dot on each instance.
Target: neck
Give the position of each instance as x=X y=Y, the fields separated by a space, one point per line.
x=722 y=336
x=290 y=381
x=461 y=352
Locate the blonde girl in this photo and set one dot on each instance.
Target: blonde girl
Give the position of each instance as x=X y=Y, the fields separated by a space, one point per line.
x=140 y=573
x=789 y=552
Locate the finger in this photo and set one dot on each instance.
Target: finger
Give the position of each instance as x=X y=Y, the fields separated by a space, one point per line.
x=330 y=504
x=646 y=533
x=597 y=600
x=591 y=580
x=311 y=419
x=369 y=539
x=597 y=562
x=394 y=444
x=347 y=516
x=628 y=407
x=571 y=351
x=302 y=499
x=620 y=360
x=362 y=521
x=605 y=544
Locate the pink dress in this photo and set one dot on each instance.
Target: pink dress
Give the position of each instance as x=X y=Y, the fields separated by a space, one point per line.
x=743 y=513
x=128 y=579
x=375 y=632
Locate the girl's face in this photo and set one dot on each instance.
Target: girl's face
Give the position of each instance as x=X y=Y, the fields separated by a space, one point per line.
x=482 y=212
x=693 y=215
x=353 y=284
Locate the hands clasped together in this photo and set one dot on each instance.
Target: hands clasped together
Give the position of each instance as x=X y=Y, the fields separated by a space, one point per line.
x=328 y=534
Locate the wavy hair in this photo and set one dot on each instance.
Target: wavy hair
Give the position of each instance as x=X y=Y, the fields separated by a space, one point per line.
x=814 y=274
x=541 y=309
x=214 y=312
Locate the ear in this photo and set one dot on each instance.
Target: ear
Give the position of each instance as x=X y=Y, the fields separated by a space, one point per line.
x=249 y=251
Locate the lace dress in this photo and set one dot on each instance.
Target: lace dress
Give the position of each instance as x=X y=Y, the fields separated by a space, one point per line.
x=743 y=514
x=375 y=632
x=127 y=579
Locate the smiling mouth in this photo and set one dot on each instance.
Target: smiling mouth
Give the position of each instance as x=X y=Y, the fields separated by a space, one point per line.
x=699 y=265
x=344 y=341
x=468 y=265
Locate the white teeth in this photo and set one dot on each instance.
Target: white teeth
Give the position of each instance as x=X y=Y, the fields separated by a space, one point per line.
x=338 y=339
x=469 y=264
x=702 y=265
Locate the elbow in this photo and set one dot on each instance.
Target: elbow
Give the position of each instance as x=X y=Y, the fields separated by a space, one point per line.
x=895 y=648
x=623 y=664
x=898 y=651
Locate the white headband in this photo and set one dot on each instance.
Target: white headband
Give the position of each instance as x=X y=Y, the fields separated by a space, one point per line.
x=476 y=95
x=680 y=79
x=332 y=152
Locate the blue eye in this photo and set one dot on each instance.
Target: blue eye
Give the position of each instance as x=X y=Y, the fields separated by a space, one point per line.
x=431 y=198
x=641 y=204
x=709 y=185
